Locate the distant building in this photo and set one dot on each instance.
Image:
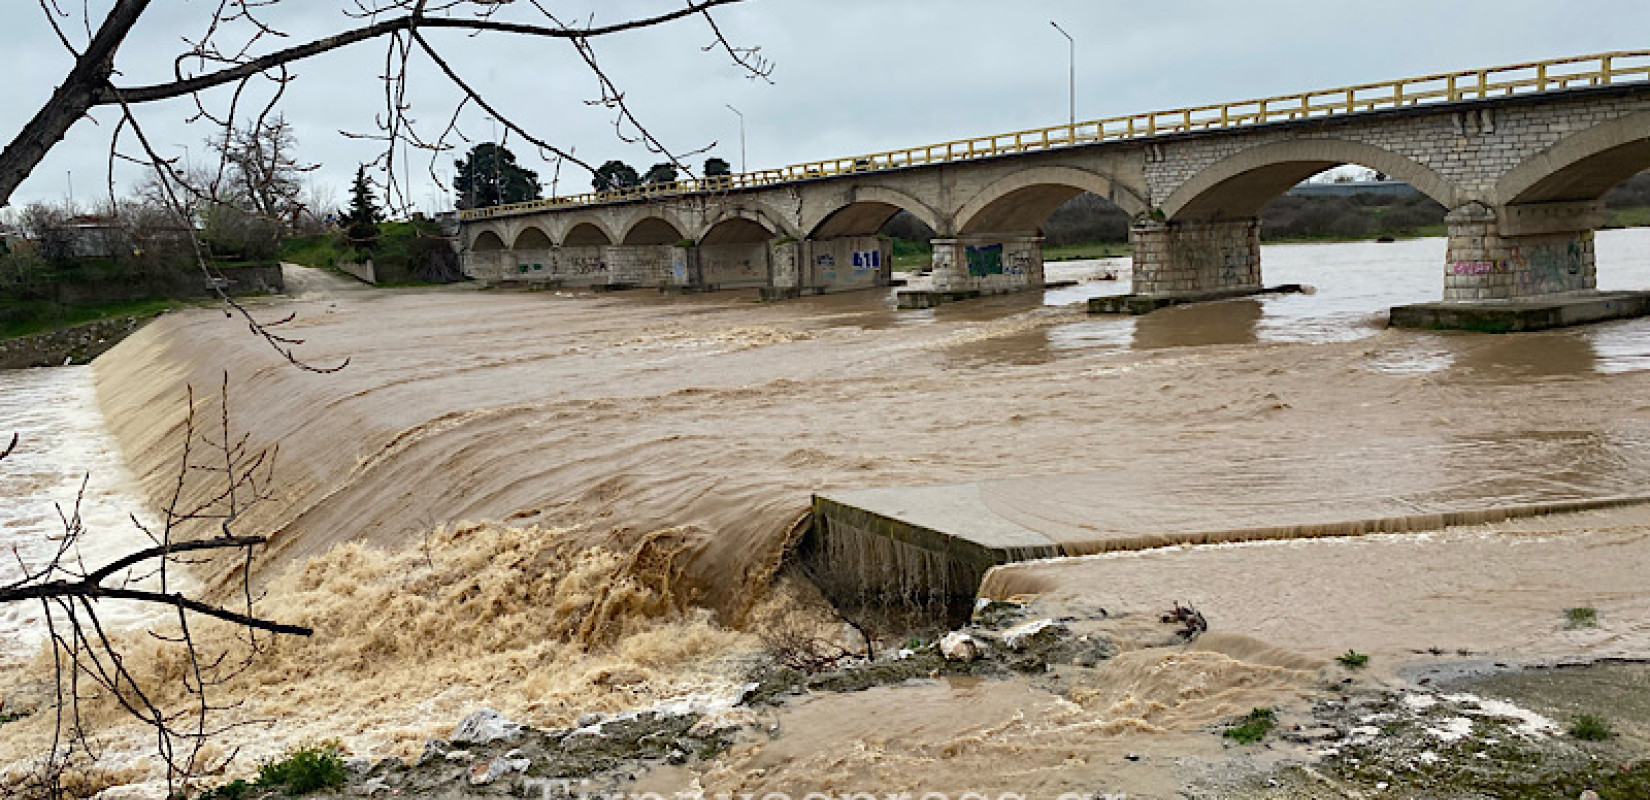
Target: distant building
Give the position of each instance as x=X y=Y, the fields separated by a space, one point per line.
x=94 y=237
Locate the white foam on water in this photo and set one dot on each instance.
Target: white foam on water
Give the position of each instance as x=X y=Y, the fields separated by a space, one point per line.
x=62 y=445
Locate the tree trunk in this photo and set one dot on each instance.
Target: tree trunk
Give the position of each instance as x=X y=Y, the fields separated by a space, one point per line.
x=71 y=100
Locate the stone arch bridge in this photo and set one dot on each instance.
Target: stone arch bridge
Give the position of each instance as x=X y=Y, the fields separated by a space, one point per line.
x=1521 y=156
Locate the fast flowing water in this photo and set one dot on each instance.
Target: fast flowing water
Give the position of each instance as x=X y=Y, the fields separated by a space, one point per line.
x=662 y=448
x=66 y=463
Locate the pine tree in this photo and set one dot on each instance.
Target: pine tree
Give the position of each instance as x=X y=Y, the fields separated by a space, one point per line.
x=361 y=224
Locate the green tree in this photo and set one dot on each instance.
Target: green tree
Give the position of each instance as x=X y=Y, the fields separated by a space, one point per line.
x=716 y=166
x=489 y=176
x=615 y=175
x=361 y=223
x=661 y=173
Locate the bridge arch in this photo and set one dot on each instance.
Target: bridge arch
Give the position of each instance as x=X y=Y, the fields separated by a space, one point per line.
x=1242 y=184
x=742 y=225
x=737 y=229
x=1023 y=200
x=1583 y=166
x=532 y=238
x=652 y=231
x=588 y=233
x=867 y=210
x=487 y=240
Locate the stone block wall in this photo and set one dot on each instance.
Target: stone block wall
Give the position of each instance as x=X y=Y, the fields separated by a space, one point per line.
x=640 y=265
x=488 y=265
x=1481 y=264
x=734 y=265
x=583 y=265
x=1190 y=258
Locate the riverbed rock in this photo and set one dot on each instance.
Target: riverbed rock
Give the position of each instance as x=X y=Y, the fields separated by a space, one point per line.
x=959 y=646
x=1036 y=633
x=485 y=726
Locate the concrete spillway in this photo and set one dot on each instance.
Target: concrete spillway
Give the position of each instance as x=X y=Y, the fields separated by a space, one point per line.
x=933 y=544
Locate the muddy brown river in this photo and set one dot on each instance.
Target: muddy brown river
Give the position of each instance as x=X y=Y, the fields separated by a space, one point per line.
x=642 y=461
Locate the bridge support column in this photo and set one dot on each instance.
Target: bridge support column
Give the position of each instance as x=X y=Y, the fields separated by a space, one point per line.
x=1521 y=251
x=785 y=258
x=988 y=264
x=846 y=263
x=1192 y=259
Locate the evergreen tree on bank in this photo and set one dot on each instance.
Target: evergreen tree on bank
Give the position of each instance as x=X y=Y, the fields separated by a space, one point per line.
x=361 y=223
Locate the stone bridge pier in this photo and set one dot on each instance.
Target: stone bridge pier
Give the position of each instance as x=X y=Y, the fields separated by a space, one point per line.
x=1196 y=259
x=988 y=264
x=1521 y=252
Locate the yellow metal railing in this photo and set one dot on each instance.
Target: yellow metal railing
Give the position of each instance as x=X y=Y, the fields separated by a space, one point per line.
x=1540 y=76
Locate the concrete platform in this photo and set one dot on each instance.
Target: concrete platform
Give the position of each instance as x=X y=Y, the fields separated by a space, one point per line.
x=931 y=545
x=930 y=299
x=1137 y=304
x=1516 y=316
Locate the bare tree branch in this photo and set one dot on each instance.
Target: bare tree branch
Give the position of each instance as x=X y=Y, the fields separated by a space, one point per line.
x=91 y=662
x=407 y=23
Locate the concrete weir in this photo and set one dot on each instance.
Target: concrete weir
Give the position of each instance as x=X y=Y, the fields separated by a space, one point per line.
x=932 y=545
x=1137 y=304
x=1517 y=316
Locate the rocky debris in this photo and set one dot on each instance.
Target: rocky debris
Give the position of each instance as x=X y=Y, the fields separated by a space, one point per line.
x=1425 y=744
x=489 y=756
x=1191 y=621
x=484 y=726
x=74 y=345
x=997 y=614
x=484 y=773
x=1040 y=633
x=959 y=646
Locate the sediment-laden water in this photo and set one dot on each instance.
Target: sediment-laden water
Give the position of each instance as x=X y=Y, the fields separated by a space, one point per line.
x=643 y=461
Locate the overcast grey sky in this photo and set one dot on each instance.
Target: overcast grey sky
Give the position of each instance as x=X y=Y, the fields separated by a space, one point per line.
x=851 y=76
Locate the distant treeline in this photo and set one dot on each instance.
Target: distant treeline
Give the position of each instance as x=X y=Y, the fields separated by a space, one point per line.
x=1088 y=218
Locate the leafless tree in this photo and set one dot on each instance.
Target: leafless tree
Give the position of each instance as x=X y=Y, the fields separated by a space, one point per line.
x=219 y=479
x=235 y=52
x=230 y=52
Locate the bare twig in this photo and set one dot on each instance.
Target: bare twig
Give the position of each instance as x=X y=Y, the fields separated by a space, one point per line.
x=91 y=661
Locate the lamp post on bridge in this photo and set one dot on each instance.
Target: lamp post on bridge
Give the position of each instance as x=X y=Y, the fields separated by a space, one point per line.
x=743 y=167
x=1073 y=77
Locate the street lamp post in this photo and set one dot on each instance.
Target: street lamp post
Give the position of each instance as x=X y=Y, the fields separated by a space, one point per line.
x=743 y=167
x=1073 y=78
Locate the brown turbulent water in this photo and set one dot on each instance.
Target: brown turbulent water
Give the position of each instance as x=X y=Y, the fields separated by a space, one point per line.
x=641 y=457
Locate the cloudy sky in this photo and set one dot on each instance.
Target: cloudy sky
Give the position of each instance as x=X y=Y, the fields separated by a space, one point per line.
x=849 y=77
